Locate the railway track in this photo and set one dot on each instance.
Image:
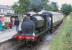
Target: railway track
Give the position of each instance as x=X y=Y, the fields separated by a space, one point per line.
x=32 y=47
x=14 y=45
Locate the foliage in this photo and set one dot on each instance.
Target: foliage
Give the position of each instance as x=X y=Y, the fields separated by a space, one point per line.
x=66 y=9
x=35 y=5
x=48 y=7
x=16 y=8
x=23 y=6
x=63 y=40
x=53 y=6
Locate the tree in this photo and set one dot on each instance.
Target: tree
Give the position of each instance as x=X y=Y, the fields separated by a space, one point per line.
x=44 y=3
x=66 y=9
x=16 y=8
x=23 y=6
x=53 y=6
x=48 y=7
x=37 y=5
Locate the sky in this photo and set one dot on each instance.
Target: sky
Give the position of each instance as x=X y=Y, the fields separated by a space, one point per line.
x=7 y=2
x=11 y=2
x=60 y=2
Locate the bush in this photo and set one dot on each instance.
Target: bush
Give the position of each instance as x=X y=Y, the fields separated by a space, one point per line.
x=66 y=9
x=63 y=40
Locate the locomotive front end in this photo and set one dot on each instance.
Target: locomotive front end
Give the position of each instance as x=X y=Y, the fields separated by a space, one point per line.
x=31 y=29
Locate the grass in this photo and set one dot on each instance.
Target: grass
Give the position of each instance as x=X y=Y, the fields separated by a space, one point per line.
x=63 y=40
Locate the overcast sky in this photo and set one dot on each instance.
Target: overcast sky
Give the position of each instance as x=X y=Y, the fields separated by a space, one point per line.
x=11 y=2
x=7 y=2
x=60 y=2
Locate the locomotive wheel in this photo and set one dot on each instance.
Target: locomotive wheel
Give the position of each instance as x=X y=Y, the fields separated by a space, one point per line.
x=50 y=31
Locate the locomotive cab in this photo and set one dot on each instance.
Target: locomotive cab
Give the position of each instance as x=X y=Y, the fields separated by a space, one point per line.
x=49 y=20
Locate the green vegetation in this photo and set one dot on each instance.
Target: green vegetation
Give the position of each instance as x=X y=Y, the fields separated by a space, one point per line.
x=37 y=5
x=53 y=6
x=66 y=9
x=63 y=40
x=23 y=6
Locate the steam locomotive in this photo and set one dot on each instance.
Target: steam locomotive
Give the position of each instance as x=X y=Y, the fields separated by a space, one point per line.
x=41 y=22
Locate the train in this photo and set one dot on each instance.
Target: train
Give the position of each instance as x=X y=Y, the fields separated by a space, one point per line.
x=41 y=25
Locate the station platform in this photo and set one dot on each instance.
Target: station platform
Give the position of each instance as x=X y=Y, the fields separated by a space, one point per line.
x=7 y=34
